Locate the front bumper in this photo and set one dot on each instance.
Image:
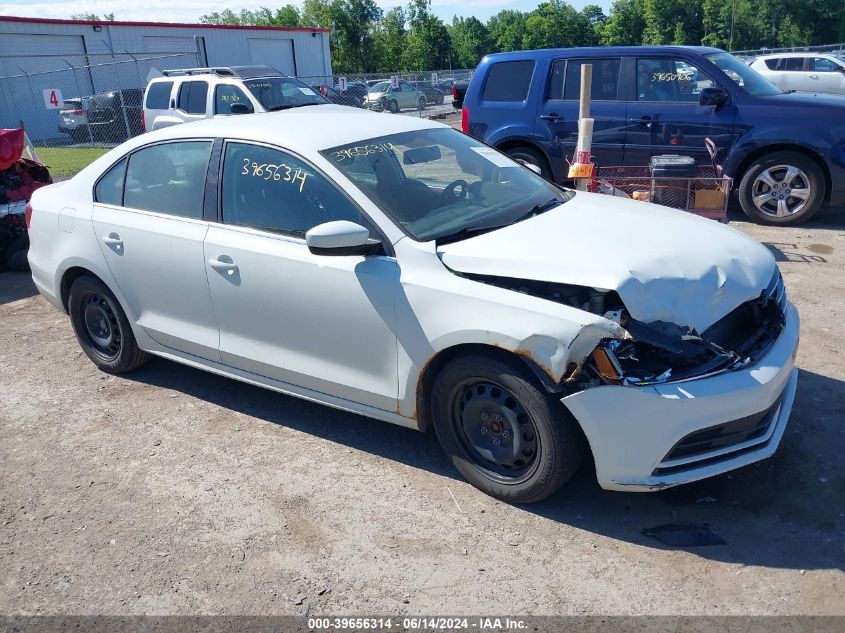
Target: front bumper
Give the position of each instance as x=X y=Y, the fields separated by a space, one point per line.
x=632 y=430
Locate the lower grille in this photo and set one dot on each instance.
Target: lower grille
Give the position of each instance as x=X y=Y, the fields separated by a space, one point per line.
x=719 y=437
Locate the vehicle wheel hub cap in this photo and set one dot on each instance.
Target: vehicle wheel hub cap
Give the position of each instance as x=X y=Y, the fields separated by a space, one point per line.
x=101 y=326
x=495 y=428
x=781 y=191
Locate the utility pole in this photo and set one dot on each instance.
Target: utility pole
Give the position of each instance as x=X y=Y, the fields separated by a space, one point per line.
x=733 y=19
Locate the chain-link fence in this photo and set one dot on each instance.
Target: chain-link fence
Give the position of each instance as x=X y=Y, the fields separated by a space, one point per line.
x=76 y=107
x=833 y=49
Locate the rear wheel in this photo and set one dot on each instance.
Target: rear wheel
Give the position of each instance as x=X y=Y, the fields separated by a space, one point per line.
x=782 y=188
x=502 y=431
x=422 y=103
x=101 y=327
x=531 y=156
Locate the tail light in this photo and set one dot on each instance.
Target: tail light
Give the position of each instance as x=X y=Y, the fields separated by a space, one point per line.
x=465 y=120
x=78 y=112
x=143 y=121
x=454 y=91
x=28 y=214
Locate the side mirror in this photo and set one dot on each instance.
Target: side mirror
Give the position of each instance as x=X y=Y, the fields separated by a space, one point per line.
x=714 y=97
x=240 y=108
x=341 y=237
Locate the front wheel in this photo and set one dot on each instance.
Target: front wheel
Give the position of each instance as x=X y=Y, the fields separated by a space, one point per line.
x=782 y=188
x=502 y=431
x=422 y=103
x=393 y=106
x=101 y=327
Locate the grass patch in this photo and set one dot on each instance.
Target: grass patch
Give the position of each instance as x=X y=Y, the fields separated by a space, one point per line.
x=67 y=161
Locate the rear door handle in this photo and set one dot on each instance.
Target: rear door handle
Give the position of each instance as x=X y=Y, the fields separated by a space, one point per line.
x=113 y=239
x=223 y=266
x=552 y=117
x=645 y=121
x=814 y=76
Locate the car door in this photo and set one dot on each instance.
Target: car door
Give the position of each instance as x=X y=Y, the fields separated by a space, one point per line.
x=148 y=218
x=558 y=114
x=325 y=323
x=795 y=77
x=664 y=114
x=827 y=75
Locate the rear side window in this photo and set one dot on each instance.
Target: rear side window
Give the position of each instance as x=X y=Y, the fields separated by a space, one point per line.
x=109 y=189
x=168 y=178
x=192 y=97
x=508 y=81
x=566 y=83
x=158 y=95
x=772 y=64
x=793 y=63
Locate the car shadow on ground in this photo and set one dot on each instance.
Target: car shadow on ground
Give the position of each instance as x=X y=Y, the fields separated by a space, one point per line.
x=782 y=513
x=16 y=286
x=827 y=218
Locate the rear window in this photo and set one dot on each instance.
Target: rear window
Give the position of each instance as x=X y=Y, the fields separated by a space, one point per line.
x=772 y=64
x=192 y=97
x=793 y=63
x=158 y=95
x=566 y=79
x=508 y=81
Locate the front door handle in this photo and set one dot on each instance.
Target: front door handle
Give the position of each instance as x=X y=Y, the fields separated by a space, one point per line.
x=113 y=240
x=814 y=76
x=551 y=117
x=645 y=121
x=222 y=265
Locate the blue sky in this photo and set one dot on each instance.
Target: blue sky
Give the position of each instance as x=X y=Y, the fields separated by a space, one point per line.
x=190 y=10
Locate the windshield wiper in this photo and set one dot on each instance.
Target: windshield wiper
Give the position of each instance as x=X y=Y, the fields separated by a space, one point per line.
x=287 y=106
x=463 y=233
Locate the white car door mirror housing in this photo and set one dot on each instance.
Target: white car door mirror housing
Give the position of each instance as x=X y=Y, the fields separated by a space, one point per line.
x=341 y=237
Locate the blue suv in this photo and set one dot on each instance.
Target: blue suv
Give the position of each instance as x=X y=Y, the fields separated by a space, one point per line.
x=785 y=151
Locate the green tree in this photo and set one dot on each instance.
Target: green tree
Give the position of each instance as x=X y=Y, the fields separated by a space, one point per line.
x=391 y=40
x=625 y=24
x=92 y=17
x=555 y=24
x=428 y=40
x=470 y=41
x=507 y=29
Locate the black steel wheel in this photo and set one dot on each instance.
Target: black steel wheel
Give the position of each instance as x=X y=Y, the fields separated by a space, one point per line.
x=502 y=430
x=101 y=327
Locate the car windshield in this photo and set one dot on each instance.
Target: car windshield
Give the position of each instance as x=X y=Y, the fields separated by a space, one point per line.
x=279 y=93
x=749 y=79
x=439 y=184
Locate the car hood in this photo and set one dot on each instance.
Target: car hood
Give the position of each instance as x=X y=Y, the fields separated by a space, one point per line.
x=812 y=99
x=666 y=265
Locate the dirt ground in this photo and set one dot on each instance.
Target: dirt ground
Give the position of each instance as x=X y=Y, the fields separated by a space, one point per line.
x=175 y=491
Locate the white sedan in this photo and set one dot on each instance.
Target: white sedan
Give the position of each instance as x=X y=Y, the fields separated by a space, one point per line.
x=398 y=269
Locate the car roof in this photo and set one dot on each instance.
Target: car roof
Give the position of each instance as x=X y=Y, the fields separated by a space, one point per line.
x=804 y=54
x=306 y=130
x=599 y=51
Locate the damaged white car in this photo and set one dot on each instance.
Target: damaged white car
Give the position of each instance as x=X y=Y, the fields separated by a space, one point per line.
x=395 y=268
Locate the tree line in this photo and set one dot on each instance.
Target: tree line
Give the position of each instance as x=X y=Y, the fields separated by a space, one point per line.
x=365 y=38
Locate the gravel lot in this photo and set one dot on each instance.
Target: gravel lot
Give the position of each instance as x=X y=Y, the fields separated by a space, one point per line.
x=175 y=491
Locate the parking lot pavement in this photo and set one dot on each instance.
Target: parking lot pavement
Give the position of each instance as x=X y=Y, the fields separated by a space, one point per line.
x=171 y=490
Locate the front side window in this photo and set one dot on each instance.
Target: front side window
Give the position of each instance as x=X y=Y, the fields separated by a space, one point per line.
x=109 y=189
x=508 y=81
x=280 y=93
x=192 y=97
x=168 y=178
x=566 y=79
x=665 y=79
x=443 y=185
x=823 y=65
x=158 y=95
x=225 y=96
x=268 y=189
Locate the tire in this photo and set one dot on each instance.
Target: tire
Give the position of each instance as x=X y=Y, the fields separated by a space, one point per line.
x=393 y=106
x=92 y=305
x=532 y=157
x=422 y=104
x=531 y=426
x=789 y=172
x=14 y=256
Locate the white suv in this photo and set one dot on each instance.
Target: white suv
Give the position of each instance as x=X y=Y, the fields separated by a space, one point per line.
x=804 y=72
x=189 y=94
